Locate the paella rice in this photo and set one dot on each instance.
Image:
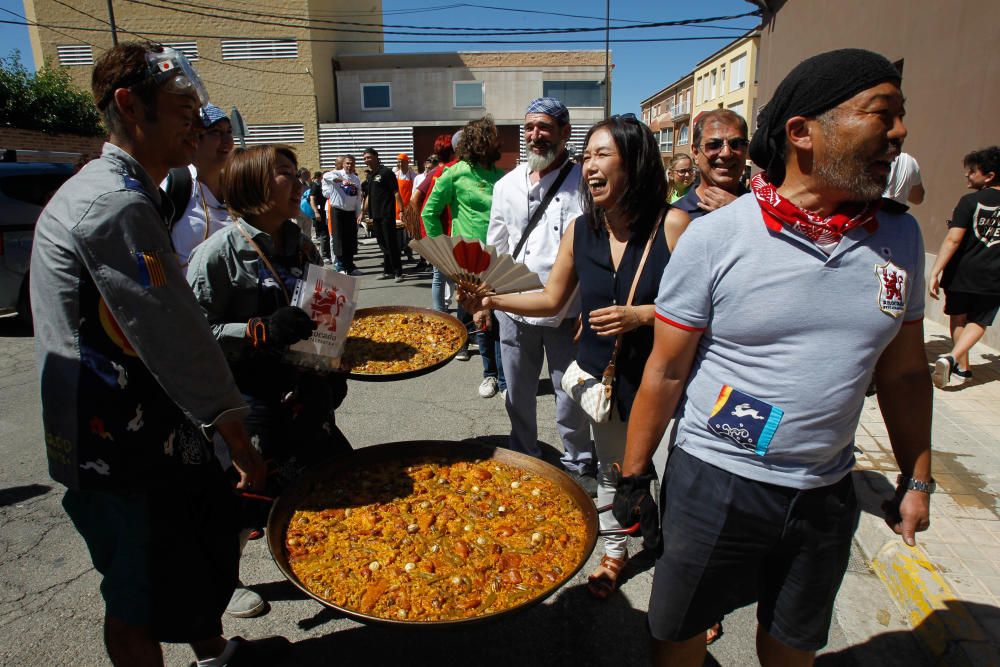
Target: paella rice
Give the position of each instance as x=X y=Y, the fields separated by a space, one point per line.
x=430 y=540
x=389 y=343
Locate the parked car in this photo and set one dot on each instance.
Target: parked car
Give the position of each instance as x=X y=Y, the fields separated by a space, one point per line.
x=25 y=188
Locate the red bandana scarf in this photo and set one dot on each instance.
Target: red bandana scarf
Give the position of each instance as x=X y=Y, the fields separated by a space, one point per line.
x=779 y=211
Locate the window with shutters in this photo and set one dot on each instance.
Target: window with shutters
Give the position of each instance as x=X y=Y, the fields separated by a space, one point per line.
x=75 y=54
x=259 y=49
x=738 y=72
x=376 y=96
x=293 y=133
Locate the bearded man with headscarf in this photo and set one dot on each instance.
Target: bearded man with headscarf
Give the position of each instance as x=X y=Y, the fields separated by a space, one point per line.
x=773 y=315
x=528 y=341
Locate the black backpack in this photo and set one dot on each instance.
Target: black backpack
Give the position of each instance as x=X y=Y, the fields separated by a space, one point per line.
x=178 y=189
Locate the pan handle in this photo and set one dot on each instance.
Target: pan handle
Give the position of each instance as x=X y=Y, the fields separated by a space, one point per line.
x=266 y=499
x=631 y=530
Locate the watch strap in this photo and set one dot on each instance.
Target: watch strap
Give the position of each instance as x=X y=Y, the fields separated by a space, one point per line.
x=911 y=484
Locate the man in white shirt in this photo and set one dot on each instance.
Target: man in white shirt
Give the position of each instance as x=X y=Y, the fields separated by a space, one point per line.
x=342 y=188
x=527 y=341
x=905 y=186
x=204 y=213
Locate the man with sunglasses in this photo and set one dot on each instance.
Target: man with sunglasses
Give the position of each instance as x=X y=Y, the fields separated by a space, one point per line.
x=133 y=383
x=720 y=150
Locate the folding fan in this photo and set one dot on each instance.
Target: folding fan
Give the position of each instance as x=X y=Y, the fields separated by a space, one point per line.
x=475 y=267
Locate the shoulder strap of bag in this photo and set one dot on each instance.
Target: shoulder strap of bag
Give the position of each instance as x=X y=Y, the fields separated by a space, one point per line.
x=179 y=188
x=540 y=211
x=609 y=372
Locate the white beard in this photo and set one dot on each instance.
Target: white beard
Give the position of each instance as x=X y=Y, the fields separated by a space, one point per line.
x=542 y=162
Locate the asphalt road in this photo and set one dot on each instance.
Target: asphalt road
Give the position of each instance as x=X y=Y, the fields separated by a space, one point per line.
x=51 y=610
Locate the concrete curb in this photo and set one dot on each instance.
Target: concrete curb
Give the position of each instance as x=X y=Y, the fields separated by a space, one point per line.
x=939 y=619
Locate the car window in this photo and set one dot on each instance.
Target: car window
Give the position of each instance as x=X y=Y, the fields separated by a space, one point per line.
x=32 y=188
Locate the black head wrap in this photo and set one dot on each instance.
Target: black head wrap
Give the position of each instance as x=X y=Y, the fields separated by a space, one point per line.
x=814 y=86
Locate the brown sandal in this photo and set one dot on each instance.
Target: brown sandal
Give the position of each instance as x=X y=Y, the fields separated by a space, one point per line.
x=602 y=585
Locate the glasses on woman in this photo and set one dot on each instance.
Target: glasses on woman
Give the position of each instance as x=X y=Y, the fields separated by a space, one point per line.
x=625 y=116
x=683 y=172
x=714 y=146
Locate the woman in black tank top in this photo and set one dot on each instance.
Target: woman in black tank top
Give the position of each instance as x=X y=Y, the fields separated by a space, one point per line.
x=624 y=194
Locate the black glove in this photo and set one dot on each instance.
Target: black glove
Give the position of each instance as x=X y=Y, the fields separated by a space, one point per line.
x=634 y=503
x=284 y=326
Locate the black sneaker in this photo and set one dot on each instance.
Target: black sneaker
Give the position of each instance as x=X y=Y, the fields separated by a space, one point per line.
x=959 y=376
x=943 y=368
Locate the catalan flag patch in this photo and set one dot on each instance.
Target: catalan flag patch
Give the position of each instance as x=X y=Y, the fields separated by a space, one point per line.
x=151 y=272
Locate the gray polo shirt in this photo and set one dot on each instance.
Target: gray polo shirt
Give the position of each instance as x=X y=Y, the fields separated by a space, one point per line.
x=790 y=338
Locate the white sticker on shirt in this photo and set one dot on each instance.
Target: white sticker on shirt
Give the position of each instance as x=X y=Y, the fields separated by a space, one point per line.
x=891 y=289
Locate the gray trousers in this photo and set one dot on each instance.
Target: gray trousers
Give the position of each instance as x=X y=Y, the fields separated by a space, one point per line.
x=523 y=349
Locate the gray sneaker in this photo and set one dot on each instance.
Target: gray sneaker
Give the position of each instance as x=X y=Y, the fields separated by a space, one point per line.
x=488 y=387
x=463 y=354
x=587 y=480
x=245 y=603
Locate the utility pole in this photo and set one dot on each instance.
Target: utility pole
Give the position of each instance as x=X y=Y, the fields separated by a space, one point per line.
x=111 y=20
x=607 y=58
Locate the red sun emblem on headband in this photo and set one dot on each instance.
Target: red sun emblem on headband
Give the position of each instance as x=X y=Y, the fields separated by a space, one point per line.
x=471 y=257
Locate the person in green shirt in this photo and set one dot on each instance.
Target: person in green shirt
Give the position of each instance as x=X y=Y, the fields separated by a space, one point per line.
x=466 y=188
x=680 y=176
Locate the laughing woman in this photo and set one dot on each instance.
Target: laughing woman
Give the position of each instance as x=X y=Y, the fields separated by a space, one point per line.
x=244 y=277
x=617 y=242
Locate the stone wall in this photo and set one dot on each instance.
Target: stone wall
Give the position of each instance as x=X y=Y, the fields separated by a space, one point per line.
x=40 y=141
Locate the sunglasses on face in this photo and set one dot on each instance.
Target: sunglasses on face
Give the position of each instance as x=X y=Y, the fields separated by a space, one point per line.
x=713 y=146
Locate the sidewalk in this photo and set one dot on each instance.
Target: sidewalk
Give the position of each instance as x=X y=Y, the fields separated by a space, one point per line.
x=949 y=585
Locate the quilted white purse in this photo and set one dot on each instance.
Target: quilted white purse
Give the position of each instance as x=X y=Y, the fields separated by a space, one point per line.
x=591 y=393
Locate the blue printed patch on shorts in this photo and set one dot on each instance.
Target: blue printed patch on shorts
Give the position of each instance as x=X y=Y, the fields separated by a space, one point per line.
x=747 y=421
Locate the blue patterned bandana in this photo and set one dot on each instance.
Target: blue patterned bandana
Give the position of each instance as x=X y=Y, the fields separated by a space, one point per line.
x=549 y=106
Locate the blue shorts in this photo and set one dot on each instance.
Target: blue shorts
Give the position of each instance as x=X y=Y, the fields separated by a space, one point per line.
x=730 y=541
x=169 y=559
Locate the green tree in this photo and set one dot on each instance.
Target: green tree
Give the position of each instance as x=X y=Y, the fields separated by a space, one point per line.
x=47 y=100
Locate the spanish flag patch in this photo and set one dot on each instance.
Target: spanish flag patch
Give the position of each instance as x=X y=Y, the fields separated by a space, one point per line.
x=151 y=272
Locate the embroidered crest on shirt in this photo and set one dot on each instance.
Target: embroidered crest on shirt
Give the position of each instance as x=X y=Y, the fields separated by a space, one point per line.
x=891 y=289
x=986 y=224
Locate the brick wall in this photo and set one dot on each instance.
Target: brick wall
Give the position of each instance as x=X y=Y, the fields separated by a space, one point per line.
x=39 y=141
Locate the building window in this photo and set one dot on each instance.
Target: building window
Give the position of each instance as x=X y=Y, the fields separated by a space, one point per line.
x=75 y=54
x=469 y=94
x=376 y=96
x=682 y=136
x=738 y=73
x=575 y=93
x=259 y=49
x=276 y=134
x=738 y=108
x=189 y=49
x=667 y=140
x=697 y=91
x=714 y=88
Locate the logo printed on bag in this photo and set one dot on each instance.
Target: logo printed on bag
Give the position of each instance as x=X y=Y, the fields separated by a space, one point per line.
x=891 y=289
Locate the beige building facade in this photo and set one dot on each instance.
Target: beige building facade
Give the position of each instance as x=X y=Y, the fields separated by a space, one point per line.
x=668 y=114
x=278 y=72
x=727 y=79
x=401 y=102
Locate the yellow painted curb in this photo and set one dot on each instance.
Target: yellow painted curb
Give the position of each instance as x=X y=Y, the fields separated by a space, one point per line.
x=938 y=618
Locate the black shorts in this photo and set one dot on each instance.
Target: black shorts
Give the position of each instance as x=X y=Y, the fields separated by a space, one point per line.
x=729 y=541
x=169 y=559
x=979 y=309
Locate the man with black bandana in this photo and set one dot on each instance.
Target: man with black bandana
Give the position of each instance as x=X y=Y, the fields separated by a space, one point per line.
x=773 y=315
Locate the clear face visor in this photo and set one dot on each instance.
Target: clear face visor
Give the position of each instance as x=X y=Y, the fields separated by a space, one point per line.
x=173 y=73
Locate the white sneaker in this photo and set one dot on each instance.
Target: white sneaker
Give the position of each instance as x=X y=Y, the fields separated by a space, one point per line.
x=503 y=394
x=488 y=387
x=943 y=368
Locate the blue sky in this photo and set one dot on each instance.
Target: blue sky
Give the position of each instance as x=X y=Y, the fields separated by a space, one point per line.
x=640 y=68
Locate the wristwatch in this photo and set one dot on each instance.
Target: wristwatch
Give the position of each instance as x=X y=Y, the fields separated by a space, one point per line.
x=911 y=484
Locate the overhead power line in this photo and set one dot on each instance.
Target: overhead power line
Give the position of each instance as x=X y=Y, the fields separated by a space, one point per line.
x=554 y=42
x=378 y=28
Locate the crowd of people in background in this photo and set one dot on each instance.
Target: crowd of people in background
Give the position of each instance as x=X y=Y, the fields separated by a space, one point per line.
x=162 y=279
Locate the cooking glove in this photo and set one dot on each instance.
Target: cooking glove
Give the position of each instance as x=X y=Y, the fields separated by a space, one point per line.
x=284 y=326
x=634 y=503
